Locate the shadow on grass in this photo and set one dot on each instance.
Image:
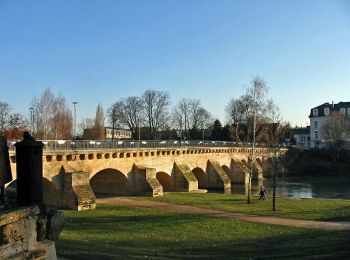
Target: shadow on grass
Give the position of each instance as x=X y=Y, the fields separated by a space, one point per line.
x=304 y=245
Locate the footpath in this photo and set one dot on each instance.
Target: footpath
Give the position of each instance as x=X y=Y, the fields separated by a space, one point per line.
x=327 y=225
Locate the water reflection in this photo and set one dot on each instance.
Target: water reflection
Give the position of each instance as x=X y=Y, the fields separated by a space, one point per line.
x=302 y=187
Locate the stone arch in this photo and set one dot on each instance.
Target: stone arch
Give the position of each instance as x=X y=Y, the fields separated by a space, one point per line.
x=51 y=195
x=238 y=175
x=110 y=182
x=201 y=177
x=166 y=181
x=227 y=170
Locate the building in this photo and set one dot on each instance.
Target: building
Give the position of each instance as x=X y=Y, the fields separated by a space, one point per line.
x=302 y=137
x=119 y=134
x=319 y=117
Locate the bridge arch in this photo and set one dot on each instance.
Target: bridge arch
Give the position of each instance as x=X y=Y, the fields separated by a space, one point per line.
x=110 y=182
x=166 y=181
x=227 y=170
x=201 y=177
x=238 y=175
x=51 y=194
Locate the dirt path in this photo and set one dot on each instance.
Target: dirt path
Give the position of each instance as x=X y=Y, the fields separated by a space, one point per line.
x=223 y=214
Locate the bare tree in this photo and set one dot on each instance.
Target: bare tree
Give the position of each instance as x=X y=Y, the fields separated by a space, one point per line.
x=189 y=116
x=177 y=120
x=127 y=113
x=5 y=110
x=274 y=132
x=99 y=126
x=52 y=117
x=248 y=114
x=61 y=122
x=16 y=125
x=112 y=117
x=335 y=131
x=155 y=110
x=85 y=123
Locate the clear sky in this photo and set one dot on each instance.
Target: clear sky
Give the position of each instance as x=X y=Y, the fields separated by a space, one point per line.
x=99 y=51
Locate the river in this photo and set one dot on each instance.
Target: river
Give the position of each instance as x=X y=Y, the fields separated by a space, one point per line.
x=303 y=187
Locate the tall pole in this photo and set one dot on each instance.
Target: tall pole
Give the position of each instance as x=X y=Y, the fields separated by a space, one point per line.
x=32 y=119
x=139 y=130
x=75 y=120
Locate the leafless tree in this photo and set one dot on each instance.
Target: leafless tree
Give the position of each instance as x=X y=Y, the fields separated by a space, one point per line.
x=274 y=131
x=16 y=125
x=61 y=122
x=5 y=110
x=99 y=126
x=52 y=117
x=335 y=132
x=112 y=117
x=248 y=114
x=85 y=123
x=189 y=115
x=155 y=110
x=127 y=113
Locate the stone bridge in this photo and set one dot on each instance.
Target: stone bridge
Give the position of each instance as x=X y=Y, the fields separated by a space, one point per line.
x=72 y=178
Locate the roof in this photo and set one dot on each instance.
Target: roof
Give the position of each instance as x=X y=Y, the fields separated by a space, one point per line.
x=301 y=131
x=332 y=107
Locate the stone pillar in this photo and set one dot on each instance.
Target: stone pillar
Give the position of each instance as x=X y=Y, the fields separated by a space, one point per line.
x=29 y=171
x=184 y=179
x=217 y=177
x=5 y=167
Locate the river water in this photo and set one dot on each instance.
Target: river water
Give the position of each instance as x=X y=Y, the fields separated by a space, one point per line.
x=303 y=187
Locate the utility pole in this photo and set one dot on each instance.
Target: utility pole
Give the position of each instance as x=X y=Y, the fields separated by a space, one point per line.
x=31 y=109
x=75 y=120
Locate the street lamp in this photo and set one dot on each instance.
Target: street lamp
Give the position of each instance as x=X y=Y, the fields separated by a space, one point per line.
x=31 y=109
x=75 y=120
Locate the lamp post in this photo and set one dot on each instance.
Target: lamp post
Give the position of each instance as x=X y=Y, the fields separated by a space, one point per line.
x=31 y=109
x=75 y=119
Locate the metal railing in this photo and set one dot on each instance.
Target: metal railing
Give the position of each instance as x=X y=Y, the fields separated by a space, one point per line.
x=129 y=144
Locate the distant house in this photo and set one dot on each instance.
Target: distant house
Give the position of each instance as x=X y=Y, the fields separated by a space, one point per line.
x=119 y=134
x=302 y=137
x=319 y=117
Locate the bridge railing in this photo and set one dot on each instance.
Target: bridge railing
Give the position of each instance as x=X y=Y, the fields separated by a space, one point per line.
x=129 y=144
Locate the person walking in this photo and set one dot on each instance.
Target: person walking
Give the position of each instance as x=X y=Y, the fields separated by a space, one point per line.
x=262 y=193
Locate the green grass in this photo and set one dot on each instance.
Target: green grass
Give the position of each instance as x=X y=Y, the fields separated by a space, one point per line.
x=313 y=209
x=120 y=232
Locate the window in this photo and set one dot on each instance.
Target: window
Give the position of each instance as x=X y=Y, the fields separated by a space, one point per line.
x=302 y=139
x=348 y=111
x=326 y=111
x=342 y=111
x=315 y=112
x=316 y=124
x=316 y=135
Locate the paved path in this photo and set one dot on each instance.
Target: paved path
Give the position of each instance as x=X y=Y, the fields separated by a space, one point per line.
x=223 y=214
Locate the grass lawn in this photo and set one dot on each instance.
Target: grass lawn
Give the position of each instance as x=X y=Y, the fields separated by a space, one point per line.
x=120 y=232
x=314 y=209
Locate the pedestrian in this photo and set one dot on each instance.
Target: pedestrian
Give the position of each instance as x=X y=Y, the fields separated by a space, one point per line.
x=262 y=193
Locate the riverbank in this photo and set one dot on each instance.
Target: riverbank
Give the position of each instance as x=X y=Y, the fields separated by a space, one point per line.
x=318 y=162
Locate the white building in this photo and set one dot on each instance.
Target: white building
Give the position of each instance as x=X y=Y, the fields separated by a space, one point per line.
x=319 y=118
x=302 y=137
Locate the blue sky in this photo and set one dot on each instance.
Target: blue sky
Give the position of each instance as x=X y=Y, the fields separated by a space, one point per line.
x=99 y=51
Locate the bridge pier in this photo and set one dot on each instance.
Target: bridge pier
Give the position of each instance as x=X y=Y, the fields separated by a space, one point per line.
x=77 y=192
x=217 y=178
x=145 y=182
x=184 y=179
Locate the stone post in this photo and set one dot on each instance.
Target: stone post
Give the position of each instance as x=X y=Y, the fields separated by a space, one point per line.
x=5 y=168
x=29 y=171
